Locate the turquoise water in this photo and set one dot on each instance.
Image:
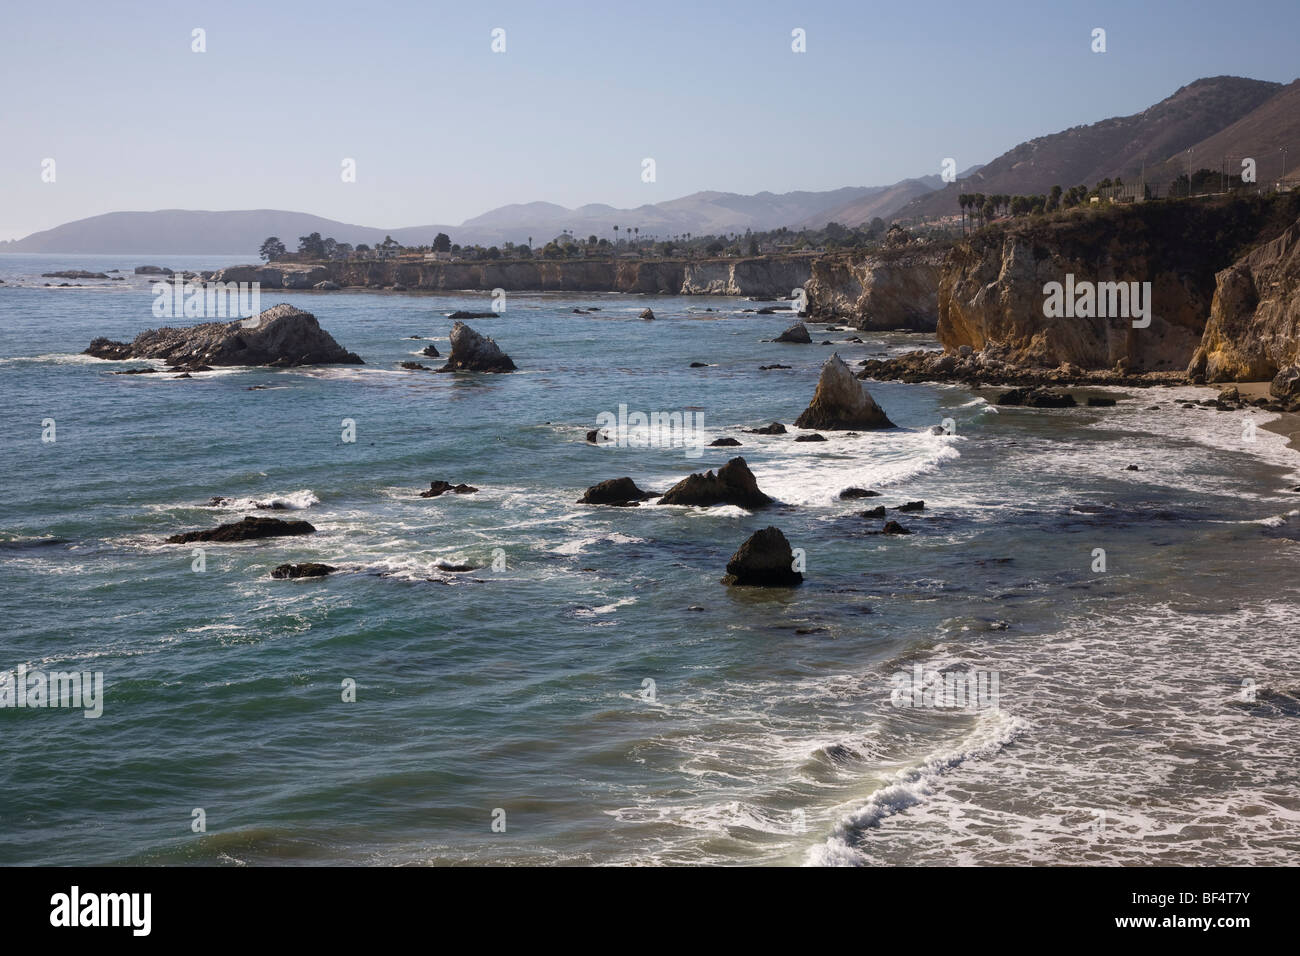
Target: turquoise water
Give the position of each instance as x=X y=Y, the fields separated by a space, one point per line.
x=1123 y=732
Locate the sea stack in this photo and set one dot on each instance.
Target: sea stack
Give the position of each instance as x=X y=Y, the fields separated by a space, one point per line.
x=841 y=402
x=734 y=484
x=764 y=560
x=471 y=352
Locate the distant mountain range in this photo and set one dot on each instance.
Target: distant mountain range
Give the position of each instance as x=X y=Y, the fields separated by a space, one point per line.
x=187 y=231
x=1221 y=119
x=1208 y=123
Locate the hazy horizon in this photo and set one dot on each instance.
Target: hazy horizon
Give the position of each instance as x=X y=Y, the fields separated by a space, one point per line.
x=442 y=129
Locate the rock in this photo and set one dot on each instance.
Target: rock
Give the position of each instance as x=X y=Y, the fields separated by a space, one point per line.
x=437 y=488
x=326 y=286
x=472 y=315
x=813 y=437
x=615 y=491
x=398 y=287
x=734 y=484
x=458 y=568
x=152 y=271
x=183 y=375
x=699 y=365
x=1096 y=402
x=912 y=506
x=1046 y=398
x=851 y=493
x=310 y=569
x=764 y=560
x=1132 y=468
x=594 y=436
x=893 y=527
x=246 y=530
x=281 y=336
x=471 y=352
x=73 y=274
x=415 y=367
x=797 y=333
x=1230 y=394
x=1286 y=384
x=768 y=368
x=647 y=314
x=431 y=351
x=136 y=371
x=776 y=428
x=724 y=443
x=841 y=402
x=876 y=512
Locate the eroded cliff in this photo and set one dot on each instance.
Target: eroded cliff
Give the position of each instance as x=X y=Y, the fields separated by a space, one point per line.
x=892 y=290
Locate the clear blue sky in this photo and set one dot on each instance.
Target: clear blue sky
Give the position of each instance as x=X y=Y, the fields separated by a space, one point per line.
x=443 y=129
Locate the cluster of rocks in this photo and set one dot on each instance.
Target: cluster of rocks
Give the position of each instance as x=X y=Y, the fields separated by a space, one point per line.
x=992 y=366
x=437 y=488
x=732 y=484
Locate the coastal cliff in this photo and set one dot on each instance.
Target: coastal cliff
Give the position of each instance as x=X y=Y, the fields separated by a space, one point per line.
x=1254 y=326
x=762 y=276
x=890 y=290
x=994 y=285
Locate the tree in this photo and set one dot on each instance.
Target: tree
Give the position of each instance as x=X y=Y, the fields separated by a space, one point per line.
x=1054 y=199
x=273 y=248
x=313 y=246
x=493 y=252
x=753 y=247
x=442 y=242
x=714 y=247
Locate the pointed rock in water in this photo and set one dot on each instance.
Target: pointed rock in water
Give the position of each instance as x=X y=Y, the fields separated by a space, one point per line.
x=310 y=569
x=841 y=402
x=615 y=491
x=764 y=560
x=734 y=484
x=246 y=530
x=647 y=314
x=471 y=352
x=797 y=333
x=281 y=336
x=431 y=351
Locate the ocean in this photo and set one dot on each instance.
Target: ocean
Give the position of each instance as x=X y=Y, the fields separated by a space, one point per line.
x=592 y=694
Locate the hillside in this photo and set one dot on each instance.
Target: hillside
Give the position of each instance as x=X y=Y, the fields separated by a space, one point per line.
x=1118 y=146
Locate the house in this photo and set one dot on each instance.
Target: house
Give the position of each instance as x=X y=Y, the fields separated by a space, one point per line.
x=437 y=257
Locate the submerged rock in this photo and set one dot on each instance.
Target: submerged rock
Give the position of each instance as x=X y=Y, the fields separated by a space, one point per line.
x=472 y=315
x=893 y=527
x=841 y=402
x=471 y=352
x=310 y=569
x=734 y=484
x=912 y=506
x=776 y=428
x=615 y=491
x=813 y=437
x=246 y=530
x=281 y=336
x=876 y=512
x=764 y=560
x=850 y=493
x=724 y=443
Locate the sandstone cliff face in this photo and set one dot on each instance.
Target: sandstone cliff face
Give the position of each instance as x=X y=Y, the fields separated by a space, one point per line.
x=770 y=276
x=992 y=290
x=878 y=292
x=763 y=276
x=1254 y=326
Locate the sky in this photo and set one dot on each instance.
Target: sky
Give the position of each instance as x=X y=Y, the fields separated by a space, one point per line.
x=442 y=128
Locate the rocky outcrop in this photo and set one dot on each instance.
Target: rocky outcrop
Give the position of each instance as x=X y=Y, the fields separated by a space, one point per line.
x=797 y=334
x=471 y=352
x=1254 y=326
x=615 y=491
x=734 y=484
x=995 y=285
x=281 y=336
x=841 y=402
x=764 y=560
x=437 y=488
x=289 y=275
x=889 y=290
x=247 y=530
